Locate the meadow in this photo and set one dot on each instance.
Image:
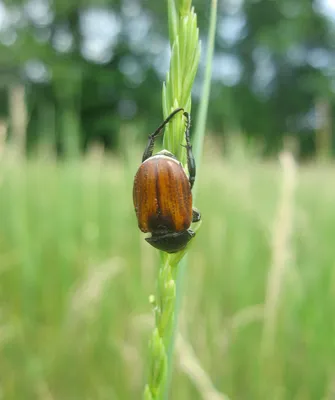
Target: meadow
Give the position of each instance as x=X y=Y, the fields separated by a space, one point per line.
x=257 y=320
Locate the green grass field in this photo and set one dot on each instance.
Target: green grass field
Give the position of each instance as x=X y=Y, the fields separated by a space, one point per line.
x=75 y=275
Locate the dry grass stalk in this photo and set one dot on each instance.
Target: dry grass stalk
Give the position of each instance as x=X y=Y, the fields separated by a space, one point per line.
x=3 y=137
x=281 y=251
x=43 y=391
x=188 y=362
x=89 y=292
x=18 y=118
x=247 y=316
x=191 y=366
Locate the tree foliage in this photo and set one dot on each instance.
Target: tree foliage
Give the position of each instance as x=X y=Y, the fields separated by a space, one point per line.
x=92 y=65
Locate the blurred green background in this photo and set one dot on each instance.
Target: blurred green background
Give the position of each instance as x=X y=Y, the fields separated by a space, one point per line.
x=80 y=89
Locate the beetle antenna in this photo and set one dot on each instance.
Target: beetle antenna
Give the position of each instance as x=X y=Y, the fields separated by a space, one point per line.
x=151 y=142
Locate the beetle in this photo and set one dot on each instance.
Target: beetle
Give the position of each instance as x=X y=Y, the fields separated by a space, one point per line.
x=162 y=193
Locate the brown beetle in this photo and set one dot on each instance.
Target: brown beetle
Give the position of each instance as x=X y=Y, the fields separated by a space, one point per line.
x=162 y=194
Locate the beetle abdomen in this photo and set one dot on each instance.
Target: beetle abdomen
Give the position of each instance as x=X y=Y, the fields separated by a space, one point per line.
x=162 y=196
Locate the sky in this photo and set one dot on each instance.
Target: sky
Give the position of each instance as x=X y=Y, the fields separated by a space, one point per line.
x=329 y=8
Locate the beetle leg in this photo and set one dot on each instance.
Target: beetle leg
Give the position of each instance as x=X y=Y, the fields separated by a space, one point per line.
x=191 y=233
x=190 y=156
x=151 y=141
x=196 y=216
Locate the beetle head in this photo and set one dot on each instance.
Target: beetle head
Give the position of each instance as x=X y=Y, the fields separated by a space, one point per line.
x=171 y=242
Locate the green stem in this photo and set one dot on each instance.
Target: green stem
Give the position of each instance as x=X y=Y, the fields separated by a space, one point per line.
x=179 y=288
x=184 y=39
x=203 y=106
x=173 y=21
x=198 y=147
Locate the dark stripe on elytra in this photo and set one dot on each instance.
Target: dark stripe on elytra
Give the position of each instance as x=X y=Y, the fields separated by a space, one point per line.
x=158 y=192
x=171 y=177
